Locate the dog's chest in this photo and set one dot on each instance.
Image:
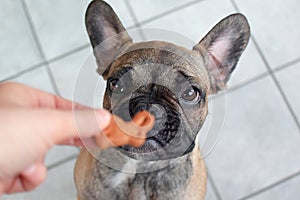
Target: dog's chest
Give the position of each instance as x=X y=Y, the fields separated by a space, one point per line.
x=167 y=183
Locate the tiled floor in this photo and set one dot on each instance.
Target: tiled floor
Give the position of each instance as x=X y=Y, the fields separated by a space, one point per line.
x=43 y=44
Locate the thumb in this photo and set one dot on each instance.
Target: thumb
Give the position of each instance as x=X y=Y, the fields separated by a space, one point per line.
x=33 y=176
x=26 y=180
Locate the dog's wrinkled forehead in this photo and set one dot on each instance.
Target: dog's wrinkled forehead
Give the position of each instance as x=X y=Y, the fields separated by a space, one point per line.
x=161 y=62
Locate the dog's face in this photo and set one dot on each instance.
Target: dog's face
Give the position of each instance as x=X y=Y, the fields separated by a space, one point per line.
x=153 y=76
x=171 y=82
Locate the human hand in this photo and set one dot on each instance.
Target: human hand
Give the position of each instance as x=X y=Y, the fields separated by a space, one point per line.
x=33 y=121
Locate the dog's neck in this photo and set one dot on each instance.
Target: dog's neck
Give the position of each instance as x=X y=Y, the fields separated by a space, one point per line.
x=168 y=175
x=123 y=163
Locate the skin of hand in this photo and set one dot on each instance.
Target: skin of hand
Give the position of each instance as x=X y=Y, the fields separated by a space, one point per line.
x=33 y=121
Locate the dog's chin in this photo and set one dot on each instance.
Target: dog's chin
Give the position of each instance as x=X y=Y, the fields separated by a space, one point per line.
x=153 y=148
x=162 y=146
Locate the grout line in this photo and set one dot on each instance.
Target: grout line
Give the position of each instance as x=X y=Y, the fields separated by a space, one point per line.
x=278 y=68
x=213 y=185
x=170 y=11
x=246 y=83
x=39 y=46
x=284 y=97
x=34 y=67
x=31 y=26
x=261 y=76
x=52 y=80
x=235 y=6
x=61 y=162
x=135 y=19
x=241 y=85
x=284 y=180
x=20 y=73
x=68 y=53
x=286 y=65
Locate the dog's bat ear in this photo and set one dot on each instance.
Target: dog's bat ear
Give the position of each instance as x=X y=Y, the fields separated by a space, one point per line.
x=223 y=46
x=107 y=34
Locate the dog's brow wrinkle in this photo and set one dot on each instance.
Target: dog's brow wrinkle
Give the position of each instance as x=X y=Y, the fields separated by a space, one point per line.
x=185 y=75
x=122 y=71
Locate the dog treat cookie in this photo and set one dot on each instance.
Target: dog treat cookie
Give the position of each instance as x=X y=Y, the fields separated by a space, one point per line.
x=119 y=132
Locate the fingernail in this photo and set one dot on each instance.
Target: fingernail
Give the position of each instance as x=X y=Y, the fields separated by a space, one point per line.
x=103 y=118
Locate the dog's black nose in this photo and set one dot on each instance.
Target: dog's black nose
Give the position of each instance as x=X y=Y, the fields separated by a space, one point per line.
x=157 y=110
x=156 y=99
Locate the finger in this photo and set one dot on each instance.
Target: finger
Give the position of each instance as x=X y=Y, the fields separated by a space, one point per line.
x=25 y=96
x=28 y=180
x=56 y=126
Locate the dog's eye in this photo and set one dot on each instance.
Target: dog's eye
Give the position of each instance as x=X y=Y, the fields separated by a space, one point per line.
x=115 y=85
x=191 y=95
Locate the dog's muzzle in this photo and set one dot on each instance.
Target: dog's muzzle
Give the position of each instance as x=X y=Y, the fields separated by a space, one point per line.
x=160 y=102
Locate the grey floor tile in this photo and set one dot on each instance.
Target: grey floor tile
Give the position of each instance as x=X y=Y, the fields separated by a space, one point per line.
x=150 y=8
x=59 y=153
x=60 y=24
x=249 y=67
x=65 y=71
x=18 y=50
x=77 y=79
x=37 y=78
x=58 y=185
x=195 y=24
x=289 y=81
x=258 y=144
x=275 y=26
x=122 y=11
x=287 y=190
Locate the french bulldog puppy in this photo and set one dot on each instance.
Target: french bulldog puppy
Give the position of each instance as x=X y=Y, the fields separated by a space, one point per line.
x=171 y=82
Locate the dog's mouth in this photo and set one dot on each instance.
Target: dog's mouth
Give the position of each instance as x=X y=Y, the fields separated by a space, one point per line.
x=153 y=143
